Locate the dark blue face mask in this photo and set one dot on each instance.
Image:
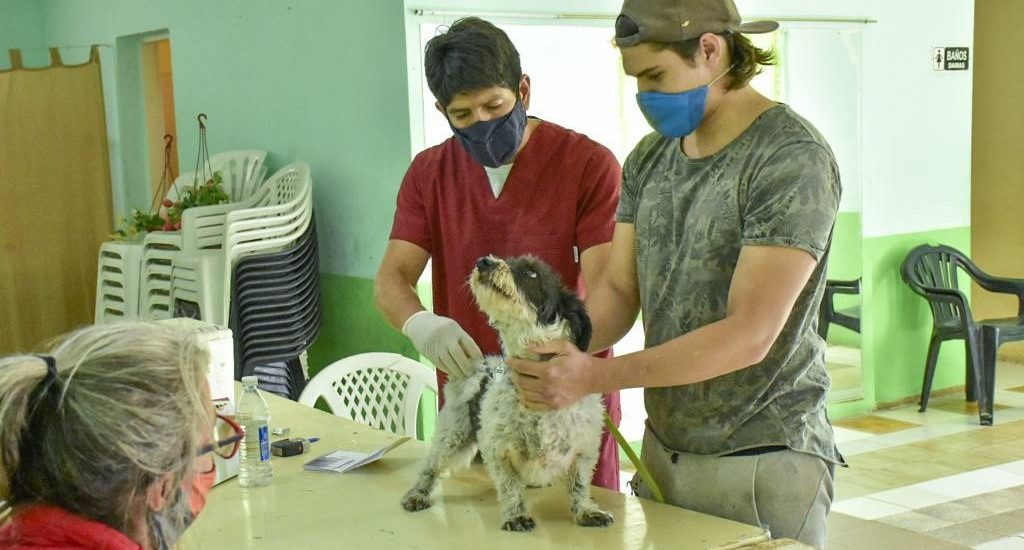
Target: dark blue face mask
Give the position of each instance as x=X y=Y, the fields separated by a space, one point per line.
x=494 y=142
x=676 y=115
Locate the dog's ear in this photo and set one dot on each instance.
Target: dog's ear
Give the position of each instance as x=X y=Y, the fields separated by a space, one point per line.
x=576 y=315
x=548 y=312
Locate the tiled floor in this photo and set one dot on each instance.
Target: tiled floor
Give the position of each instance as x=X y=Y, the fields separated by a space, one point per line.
x=925 y=481
x=935 y=479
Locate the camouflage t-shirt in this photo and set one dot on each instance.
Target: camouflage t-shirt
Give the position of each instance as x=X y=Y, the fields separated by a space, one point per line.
x=775 y=184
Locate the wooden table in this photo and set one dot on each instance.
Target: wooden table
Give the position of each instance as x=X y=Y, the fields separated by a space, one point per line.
x=360 y=509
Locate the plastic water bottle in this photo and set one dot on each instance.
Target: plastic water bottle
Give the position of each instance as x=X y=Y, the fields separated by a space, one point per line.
x=253 y=415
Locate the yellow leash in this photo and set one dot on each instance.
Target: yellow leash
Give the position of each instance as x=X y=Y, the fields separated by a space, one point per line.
x=645 y=475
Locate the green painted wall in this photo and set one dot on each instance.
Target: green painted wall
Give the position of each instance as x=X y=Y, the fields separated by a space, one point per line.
x=305 y=81
x=351 y=323
x=845 y=257
x=896 y=325
x=898 y=322
x=845 y=263
x=22 y=26
x=320 y=80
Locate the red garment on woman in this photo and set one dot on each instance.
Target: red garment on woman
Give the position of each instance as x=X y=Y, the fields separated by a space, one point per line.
x=559 y=200
x=42 y=527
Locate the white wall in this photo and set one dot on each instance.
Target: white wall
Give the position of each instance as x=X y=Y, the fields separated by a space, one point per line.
x=917 y=122
x=833 y=105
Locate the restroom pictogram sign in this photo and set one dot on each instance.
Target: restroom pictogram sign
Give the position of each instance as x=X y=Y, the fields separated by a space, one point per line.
x=951 y=58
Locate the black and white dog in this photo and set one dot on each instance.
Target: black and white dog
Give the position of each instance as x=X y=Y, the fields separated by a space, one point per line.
x=527 y=303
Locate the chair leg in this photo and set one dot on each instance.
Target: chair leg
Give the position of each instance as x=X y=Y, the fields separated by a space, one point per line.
x=989 y=349
x=929 y=371
x=975 y=350
x=970 y=392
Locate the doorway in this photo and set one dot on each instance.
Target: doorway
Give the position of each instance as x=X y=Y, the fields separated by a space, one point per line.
x=158 y=98
x=997 y=227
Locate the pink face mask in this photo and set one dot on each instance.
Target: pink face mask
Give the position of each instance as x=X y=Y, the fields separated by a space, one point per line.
x=167 y=525
x=201 y=485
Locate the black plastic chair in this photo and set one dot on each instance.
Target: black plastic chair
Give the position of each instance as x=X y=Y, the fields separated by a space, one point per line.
x=276 y=314
x=931 y=271
x=828 y=314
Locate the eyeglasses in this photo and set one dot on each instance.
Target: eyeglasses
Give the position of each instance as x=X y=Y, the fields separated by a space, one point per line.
x=228 y=434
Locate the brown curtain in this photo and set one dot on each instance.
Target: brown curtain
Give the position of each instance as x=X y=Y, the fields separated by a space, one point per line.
x=55 y=204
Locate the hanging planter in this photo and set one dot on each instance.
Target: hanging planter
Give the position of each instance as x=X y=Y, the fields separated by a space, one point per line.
x=207 y=186
x=139 y=223
x=207 y=189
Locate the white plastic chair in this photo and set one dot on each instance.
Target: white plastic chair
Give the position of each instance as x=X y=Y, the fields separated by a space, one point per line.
x=285 y=199
x=202 y=227
x=379 y=389
x=117 y=281
x=149 y=291
x=155 y=281
x=272 y=235
x=197 y=278
x=242 y=172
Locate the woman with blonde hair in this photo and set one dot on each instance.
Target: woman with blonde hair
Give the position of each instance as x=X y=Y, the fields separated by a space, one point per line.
x=106 y=440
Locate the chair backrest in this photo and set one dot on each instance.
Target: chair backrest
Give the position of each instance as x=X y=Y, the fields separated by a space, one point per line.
x=379 y=389
x=929 y=267
x=285 y=186
x=242 y=172
x=242 y=175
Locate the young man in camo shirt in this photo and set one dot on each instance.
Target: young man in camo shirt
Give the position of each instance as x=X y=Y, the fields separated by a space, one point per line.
x=722 y=236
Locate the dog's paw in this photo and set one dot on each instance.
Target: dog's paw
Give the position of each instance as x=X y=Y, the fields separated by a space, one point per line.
x=594 y=518
x=414 y=502
x=519 y=523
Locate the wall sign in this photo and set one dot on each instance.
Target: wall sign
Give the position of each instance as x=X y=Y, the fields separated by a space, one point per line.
x=950 y=58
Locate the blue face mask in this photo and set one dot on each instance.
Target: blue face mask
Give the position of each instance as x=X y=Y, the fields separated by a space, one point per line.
x=494 y=142
x=675 y=115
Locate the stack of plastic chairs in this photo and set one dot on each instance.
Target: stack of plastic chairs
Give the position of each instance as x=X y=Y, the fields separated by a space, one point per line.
x=250 y=264
x=134 y=277
x=273 y=219
x=202 y=228
x=275 y=223
x=276 y=314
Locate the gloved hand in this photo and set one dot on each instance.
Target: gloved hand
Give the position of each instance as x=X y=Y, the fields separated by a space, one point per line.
x=443 y=341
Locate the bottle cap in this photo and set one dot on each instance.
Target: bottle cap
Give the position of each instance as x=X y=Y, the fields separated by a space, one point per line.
x=250 y=380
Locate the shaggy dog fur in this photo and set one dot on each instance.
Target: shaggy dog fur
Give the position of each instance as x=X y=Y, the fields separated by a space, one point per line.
x=527 y=304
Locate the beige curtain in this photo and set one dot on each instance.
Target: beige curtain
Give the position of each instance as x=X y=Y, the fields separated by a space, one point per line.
x=55 y=204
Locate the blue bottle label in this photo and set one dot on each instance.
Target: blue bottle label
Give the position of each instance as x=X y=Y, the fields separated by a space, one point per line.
x=264 y=443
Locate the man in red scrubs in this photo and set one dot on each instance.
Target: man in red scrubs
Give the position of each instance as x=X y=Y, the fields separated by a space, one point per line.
x=504 y=184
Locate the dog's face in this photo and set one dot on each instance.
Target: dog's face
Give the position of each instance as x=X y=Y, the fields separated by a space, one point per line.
x=525 y=295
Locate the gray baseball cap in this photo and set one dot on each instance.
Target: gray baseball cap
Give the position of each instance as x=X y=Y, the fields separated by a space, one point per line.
x=669 y=21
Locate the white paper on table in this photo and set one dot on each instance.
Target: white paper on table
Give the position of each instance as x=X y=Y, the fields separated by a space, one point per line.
x=342 y=461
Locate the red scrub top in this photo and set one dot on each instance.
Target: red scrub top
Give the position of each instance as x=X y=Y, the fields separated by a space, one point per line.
x=558 y=201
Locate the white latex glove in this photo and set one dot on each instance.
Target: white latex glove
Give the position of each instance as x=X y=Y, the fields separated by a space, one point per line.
x=443 y=341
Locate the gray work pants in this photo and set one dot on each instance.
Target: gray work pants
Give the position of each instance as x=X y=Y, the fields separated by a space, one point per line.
x=786 y=492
